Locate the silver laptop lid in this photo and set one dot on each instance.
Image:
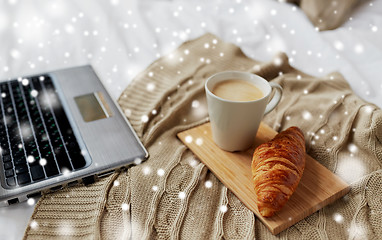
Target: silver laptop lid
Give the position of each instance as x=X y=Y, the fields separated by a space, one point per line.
x=104 y=135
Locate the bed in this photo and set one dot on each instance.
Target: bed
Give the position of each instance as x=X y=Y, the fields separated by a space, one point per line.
x=121 y=38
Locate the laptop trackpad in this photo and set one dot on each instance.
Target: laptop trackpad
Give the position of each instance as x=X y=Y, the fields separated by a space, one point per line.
x=93 y=106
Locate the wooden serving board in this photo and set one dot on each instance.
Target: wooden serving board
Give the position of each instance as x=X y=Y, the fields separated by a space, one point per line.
x=317 y=188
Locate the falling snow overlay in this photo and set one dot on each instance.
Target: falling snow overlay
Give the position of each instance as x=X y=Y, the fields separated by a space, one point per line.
x=122 y=38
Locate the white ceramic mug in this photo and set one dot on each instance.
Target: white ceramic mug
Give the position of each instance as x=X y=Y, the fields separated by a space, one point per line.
x=235 y=124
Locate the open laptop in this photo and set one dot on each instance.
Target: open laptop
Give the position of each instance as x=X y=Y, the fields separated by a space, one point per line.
x=60 y=129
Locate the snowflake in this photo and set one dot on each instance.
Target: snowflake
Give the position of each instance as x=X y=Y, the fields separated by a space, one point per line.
x=277 y=61
x=352 y=148
x=34 y=93
x=150 y=87
x=368 y=109
x=31 y=201
x=25 y=82
x=358 y=48
x=43 y=162
x=195 y=104
x=65 y=171
x=137 y=161
x=273 y=12
x=15 y=53
x=182 y=195
x=30 y=159
x=125 y=207
x=114 y=2
x=223 y=208
x=339 y=45
x=33 y=224
x=188 y=139
x=146 y=170
x=144 y=118
x=193 y=162
x=69 y=28
x=208 y=184
x=160 y=172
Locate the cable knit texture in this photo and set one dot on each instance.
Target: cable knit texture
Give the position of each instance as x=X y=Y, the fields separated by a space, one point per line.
x=166 y=197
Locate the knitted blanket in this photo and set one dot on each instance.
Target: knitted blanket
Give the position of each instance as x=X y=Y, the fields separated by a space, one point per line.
x=173 y=195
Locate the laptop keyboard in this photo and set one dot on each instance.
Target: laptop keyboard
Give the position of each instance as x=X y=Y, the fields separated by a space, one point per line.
x=36 y=139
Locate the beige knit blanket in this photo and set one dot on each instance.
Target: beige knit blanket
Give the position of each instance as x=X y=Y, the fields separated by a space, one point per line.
x=167 y=197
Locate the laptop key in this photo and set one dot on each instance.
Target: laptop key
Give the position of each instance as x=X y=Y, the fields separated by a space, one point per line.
x=3 y=137
x=21 y=169
x=7 y=158
x=63 y=161
x=19 y=161
x=8 y=165
x=37 y=173
x=5 y=150
x=23 y=179
x=9 y=173
x=50 y=166
x=11 y=181
x=78 y=160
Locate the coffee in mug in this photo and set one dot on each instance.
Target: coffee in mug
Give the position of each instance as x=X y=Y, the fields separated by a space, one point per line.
x=237 y=90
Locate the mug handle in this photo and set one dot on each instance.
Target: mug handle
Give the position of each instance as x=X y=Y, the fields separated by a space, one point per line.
x=276 y=98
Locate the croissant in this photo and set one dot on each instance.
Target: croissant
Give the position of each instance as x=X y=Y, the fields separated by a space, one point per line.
x=277 y=168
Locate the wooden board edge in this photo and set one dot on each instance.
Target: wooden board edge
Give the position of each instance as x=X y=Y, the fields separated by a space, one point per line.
x=330 y=200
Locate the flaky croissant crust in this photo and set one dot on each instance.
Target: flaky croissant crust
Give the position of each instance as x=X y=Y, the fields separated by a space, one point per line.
x=277 y=167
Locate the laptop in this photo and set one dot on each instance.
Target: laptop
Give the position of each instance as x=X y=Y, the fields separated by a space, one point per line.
x=59 y=129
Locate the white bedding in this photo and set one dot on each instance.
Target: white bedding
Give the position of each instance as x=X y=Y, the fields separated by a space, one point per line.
x=121 y=38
